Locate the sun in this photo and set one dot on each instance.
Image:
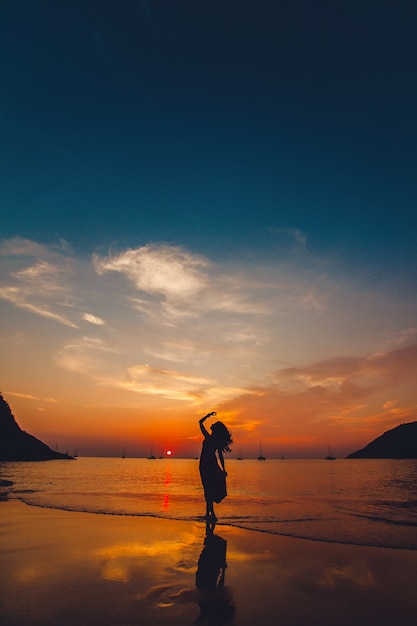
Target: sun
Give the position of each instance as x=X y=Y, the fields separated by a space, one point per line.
x=169 y=452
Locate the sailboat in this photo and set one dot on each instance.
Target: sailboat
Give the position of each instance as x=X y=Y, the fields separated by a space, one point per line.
x=152 y=456
x=261 y=456
x=124 y=453
x=240 y=457
x=329 y=457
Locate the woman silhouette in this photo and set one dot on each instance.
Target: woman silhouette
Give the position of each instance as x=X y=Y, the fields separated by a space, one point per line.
x=213 y=475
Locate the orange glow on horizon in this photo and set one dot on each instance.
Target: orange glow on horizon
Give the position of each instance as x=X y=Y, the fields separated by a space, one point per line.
x=299 y=416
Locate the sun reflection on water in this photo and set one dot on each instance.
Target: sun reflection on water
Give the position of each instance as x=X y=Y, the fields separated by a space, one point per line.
x=167 y=483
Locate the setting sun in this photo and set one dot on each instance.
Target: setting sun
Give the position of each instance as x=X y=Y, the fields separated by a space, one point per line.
x=169 y=452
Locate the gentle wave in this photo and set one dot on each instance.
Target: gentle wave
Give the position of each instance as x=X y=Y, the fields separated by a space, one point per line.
x=270 y=526
x=367 y=503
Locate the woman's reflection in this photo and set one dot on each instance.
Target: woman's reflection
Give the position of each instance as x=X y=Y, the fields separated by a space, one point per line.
x=212 y=596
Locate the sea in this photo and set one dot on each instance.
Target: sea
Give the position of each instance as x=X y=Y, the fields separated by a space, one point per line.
x=350 y=501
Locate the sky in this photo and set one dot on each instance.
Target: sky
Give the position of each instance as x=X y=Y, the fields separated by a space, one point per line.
x=208 y=205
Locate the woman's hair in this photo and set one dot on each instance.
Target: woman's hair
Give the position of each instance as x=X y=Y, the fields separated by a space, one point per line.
x=222 y=436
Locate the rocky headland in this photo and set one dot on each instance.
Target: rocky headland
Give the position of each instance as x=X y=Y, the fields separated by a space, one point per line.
x=398 y=443
x=18 y=445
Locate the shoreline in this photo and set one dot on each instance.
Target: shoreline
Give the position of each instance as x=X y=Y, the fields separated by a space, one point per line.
x=221 y=523
x=62 y=567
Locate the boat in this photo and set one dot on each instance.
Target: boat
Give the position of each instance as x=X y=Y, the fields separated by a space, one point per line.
x=124 y=453
x=329 y=457
x=261 y=456
x=240 y=457
x=151 y=456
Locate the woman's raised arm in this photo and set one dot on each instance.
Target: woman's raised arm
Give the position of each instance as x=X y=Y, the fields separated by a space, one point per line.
x=202 y=427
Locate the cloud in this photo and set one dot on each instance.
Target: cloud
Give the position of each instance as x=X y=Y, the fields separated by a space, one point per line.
x=173 y=287
x=89 y=356
x=177 y=385
x=19 y=247
x=184 y=284
x=93 y=319
x=294 y=234
x=20 y=298
x=37 y=279
x=260 y=336
x=28 y=396
x=338 y=395
x=365 y=373
x=106 y=365
x=25 y=396
x=168 y=383
x=162 y=270
x=403 y=337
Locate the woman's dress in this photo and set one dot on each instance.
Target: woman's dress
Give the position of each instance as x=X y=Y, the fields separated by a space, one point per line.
x=212 y=475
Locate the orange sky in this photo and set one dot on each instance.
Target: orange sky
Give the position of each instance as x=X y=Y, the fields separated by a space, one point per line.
x=101 y=355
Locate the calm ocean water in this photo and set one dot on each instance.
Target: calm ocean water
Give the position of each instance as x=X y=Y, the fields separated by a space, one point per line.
x=365 y=502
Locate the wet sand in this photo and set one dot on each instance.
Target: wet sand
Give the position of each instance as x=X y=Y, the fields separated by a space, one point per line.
x=61 y=567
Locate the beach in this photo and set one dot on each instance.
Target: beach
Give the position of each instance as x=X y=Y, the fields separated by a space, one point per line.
x=64 y=567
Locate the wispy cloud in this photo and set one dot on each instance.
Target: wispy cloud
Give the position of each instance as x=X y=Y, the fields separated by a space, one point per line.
x=171 y=284
x=168 y=383
x=21 y=296
x=165 y=322
x=28 y=396
x=37 y=280
x=89 y=356
x=295 y=235
x=27 y=249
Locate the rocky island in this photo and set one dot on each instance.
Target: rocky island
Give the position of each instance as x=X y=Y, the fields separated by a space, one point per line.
x=398 y=443
x=18 y=445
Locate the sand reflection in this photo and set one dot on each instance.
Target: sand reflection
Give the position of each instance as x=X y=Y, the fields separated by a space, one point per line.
x=213 y=597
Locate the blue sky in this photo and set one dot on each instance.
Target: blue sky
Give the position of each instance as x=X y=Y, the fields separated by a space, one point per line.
x=208 y=123
x=258 y=157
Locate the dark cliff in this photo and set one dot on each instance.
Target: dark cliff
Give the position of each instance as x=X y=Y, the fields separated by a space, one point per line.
x=398 y=443
x=17 y=445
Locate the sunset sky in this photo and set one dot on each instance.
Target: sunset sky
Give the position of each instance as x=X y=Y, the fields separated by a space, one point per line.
x=208 y=206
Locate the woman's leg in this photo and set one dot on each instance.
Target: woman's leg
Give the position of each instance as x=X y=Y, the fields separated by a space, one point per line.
x=209 y=508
